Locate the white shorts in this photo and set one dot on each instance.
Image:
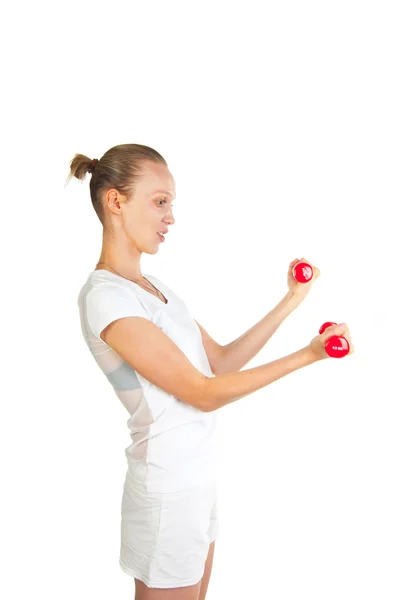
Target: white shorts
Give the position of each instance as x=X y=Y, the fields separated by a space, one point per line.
x=165 y=537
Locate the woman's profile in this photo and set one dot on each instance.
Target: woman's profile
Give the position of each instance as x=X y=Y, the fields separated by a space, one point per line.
x=169 y=374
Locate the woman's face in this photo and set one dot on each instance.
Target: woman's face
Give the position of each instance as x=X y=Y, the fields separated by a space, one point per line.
x=150 y=209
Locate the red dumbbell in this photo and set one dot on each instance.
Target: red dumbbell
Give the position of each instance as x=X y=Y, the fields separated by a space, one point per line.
x=302 y=272
x=336 y=346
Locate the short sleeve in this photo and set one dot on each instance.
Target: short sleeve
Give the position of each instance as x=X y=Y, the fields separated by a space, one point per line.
x=107 y=302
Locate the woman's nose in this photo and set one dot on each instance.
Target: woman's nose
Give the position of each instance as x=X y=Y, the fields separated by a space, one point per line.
x=170 y=216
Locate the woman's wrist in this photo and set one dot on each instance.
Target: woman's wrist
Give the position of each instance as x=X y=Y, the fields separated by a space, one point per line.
x=310 y=355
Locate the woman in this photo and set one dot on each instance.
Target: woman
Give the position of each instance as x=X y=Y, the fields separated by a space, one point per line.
x=171 y=376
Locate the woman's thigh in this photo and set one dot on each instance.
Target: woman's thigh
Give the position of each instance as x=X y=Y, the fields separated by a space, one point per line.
x=192 y=592
x=189 y=592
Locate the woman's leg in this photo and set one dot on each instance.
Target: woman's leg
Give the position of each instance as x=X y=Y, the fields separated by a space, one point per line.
x=189 y=592
x=206 y=575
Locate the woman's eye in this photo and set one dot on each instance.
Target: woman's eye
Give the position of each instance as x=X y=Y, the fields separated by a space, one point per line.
x=172 y=206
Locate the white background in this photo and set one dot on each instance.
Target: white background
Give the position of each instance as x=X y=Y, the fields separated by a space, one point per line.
x=278 y=121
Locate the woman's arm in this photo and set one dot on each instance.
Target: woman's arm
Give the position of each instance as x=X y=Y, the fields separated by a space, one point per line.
x=224 y=389
x=238 y=353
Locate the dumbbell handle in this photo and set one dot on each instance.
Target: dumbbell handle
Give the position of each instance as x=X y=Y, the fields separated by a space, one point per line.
x=337 y=346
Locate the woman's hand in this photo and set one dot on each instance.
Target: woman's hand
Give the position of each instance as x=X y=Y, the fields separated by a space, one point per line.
x=317 y=344
x=300 y=290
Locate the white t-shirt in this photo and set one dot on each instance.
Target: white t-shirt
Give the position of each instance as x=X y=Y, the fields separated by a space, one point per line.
x=173 y=443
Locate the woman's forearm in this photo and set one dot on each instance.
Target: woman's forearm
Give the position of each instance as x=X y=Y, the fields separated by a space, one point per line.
x=224 y=389
x=238 y=353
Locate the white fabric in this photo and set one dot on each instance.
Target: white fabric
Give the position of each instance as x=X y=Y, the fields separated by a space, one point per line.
x=165 y=537
x=173 y=444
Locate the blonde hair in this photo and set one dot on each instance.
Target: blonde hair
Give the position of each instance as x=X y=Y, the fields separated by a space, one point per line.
x=120 y=168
